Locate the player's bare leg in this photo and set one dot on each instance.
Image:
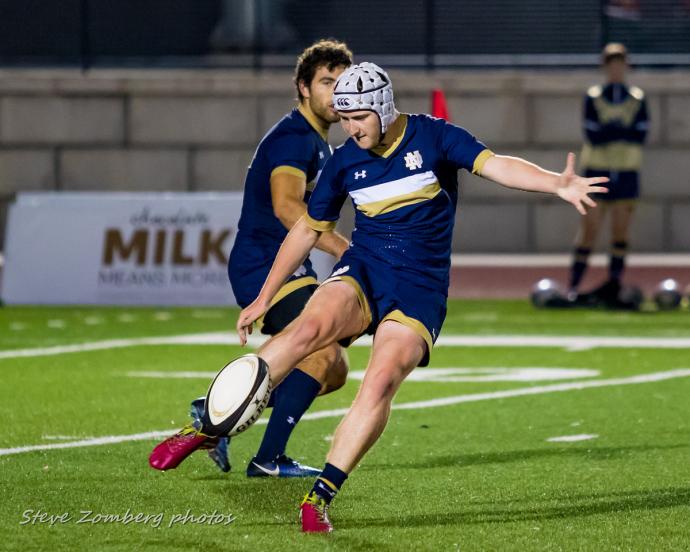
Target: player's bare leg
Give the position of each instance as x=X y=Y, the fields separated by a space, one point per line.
x=621 y=216
x=396 y=351
x=329 y=366
x=584 y=243
x=323 y=370
x=590 y=225
x=333 y=313
x=326 y=318
x=337 y=373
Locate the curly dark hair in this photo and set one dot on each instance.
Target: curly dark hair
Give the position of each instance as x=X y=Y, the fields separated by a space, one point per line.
x=327 y=52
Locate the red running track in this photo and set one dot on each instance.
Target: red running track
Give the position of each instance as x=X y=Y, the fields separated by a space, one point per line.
x=511 y=282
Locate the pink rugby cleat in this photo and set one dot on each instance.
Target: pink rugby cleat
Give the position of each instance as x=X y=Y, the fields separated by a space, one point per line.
x=171 y=453
x=313 y=514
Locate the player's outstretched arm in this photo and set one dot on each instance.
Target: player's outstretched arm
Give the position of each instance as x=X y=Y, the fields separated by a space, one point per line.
x=514 y=172
x=295 y=248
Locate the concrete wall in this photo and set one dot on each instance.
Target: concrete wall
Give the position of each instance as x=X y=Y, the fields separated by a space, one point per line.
x=197 y=130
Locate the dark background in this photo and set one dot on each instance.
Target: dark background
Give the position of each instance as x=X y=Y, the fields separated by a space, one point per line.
x=428 y=33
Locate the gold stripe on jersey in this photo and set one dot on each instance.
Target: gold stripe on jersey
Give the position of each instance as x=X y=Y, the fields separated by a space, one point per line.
x=319 y=225
x=624 y=112
x=313 y=122
x=614 y=156
x=394 y=194
x=287 y=169
x=397 y=202
x=412 y=323
x=478 y=165
x=396 y=129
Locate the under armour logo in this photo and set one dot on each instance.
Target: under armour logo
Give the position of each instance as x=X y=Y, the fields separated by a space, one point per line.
x=320 y=155
x=360 y=174
x=413 y=160
x=340 y=271
x=291 y=420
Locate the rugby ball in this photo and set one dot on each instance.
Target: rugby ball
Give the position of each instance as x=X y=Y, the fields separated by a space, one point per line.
x=237 y=396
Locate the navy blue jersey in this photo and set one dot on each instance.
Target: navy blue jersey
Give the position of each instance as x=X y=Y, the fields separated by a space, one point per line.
x=615 y=126
x=295 y=146
x=404 y=197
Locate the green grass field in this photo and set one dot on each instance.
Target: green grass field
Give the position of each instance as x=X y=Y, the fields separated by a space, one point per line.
x=478 y=473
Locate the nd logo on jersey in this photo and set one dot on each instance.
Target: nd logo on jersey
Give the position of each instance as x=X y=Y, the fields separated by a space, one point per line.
x=413 y=160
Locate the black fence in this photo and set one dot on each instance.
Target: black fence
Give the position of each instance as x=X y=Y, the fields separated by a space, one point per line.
x=269 y=33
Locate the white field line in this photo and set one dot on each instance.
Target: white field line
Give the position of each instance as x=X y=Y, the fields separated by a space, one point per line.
x=568 y=342
x=573 y=438
x=416 y=405
x=425 y=375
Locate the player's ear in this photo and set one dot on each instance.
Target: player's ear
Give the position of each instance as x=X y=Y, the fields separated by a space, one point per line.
x=304 y=89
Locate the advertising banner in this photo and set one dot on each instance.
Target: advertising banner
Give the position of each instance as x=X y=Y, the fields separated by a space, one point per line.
x=122 y=248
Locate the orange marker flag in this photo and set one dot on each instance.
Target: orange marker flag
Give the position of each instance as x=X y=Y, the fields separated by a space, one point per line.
x=439 y=107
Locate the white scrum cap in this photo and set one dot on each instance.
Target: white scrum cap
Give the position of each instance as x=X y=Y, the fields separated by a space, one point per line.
x=365 y=87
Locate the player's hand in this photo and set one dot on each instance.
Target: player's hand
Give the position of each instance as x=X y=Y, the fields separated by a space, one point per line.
x=575 y=189
x=247 y=317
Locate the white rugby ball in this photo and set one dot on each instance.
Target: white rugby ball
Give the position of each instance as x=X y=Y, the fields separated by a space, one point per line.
x=237 y=396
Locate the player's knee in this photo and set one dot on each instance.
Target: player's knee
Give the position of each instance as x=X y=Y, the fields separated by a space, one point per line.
x=379 y=389
x=338 y=368
x=401 y=355
x=309 y=334
x=328 y=366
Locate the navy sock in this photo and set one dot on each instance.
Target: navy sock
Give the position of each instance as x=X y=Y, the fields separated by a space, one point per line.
x=273 y=398
x=294 y=396
x=579 y=266
x=329 y=482
x=617 y=262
